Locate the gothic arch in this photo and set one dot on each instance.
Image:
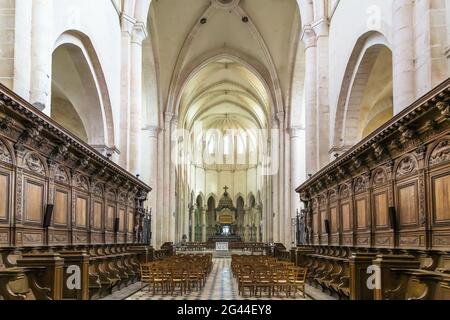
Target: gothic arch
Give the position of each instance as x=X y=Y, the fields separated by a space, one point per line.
x=213 y=195
x=254 y=67
x=237 y=196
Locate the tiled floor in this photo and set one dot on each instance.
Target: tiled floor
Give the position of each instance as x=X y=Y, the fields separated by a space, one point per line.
x=220 y=286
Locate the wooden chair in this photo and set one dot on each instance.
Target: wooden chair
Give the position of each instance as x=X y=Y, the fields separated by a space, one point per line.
x=297 y=280
x=145 y=274
x=158 y=280
x=178 y=279
x=281 y=281
x=264 y=280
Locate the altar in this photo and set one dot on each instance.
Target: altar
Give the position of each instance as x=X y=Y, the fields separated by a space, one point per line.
x=226 y=225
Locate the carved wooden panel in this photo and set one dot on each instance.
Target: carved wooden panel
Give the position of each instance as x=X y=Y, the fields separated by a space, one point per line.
x=130 y=221
x=110 y=218
x=4 y=237
x=441 y=198
x=81 y=212
x=361 y=213
x=381 y=207
x=4 y=196
x=408 y=205
x=34 y=200
x=98 y=213
x=32 y=238
x=122 y=220
x=334 y=220
x=61 y=207
x=323 y=217
x=346 y=222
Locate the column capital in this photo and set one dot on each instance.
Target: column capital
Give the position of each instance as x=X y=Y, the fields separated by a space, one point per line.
x=295 y=131
x=139 y=33
x=280 y=116
x=308 y=37
x=321 y=27
x=152 y=131
x=127 y=23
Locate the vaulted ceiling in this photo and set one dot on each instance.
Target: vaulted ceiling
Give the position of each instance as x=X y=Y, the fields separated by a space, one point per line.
x=219 y=57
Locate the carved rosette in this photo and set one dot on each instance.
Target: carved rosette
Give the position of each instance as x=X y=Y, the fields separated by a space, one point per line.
x=34 y=164
x=440 y=154
x=379 y=177
x=61 y=175
x=406 y=166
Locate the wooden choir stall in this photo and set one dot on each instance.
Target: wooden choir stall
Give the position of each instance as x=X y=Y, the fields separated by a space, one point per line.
x=65 y=211
x=377 y=219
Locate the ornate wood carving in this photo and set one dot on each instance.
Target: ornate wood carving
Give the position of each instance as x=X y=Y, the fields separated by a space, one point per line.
x=82 y=182
x=5 y=155
x=441 y=153
x=34 y=163
x=406 y=166
x=379 y=177
x=408 y=159
x=61 y=175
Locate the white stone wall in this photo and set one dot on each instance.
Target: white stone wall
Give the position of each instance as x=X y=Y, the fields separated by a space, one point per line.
x=344 y=34
x=7 y=37
x=212 y=182
x=103 y=31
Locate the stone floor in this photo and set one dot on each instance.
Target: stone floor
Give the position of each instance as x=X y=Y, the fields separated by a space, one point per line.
x=220 y=286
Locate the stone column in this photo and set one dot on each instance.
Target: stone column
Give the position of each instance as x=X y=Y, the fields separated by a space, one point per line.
x=403 y=54
x=166 y=165
x=150 y=170
x=309 y=39
x=22 y=48
x=282 y=214
x=127 y=24
x=41 y=55
x=203 y=224
x=192 y=213
x=174 y=156
x=297 y=135
x=323 y=106
x=135 y=129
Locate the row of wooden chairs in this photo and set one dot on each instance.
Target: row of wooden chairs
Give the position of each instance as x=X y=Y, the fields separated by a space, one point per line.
x=258 y=274
x=181 y=274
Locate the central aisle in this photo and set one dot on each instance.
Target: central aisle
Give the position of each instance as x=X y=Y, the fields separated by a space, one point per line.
x=220 y=286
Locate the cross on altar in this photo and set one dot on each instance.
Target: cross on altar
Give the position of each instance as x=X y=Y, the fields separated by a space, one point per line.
x=226 y=189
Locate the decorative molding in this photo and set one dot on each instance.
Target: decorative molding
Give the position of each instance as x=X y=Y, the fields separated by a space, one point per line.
x=34 y=163
x=5 y=155
x=406 y=166
x=61 y=175
x=82 y=182
x=379 y=177
x=441 y=153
